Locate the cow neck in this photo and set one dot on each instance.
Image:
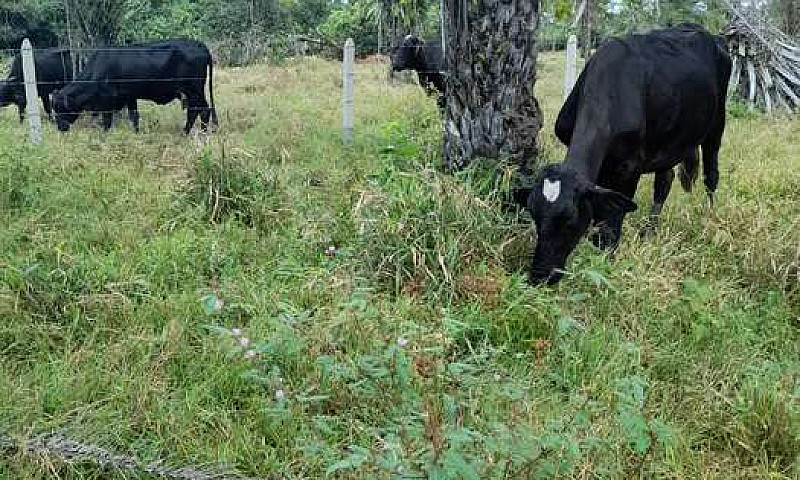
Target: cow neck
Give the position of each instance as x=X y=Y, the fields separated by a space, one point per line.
x=586 y=153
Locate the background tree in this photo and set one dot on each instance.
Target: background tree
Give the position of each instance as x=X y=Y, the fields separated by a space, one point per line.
x=37 y=20
x=96 y=23
x=787 y=14
x=491 y=58
x=403 y=17
x=358 y=20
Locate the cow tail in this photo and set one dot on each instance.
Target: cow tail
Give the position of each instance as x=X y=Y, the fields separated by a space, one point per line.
x=687 y=173
x=214 y=119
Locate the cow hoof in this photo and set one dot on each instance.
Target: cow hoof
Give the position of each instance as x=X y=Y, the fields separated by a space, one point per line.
x=604 y=241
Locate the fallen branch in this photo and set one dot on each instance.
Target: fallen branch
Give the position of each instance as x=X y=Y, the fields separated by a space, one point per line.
x=69 y=451
x=766 y=63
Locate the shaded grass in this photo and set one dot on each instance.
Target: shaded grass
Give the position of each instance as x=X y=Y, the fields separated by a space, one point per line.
x=385 y=300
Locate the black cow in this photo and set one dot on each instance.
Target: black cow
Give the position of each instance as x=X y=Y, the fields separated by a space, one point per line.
x=161 y=72
x=53 y=71
x=643 y=104
x=426 y=60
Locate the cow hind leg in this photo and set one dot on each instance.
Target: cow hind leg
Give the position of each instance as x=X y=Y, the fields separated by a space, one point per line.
x=205 y=116
x=687 y=171
x=108 y=120
x=196 y=105
x=710 y=149
x=191 y=116
x=661 y=189
x=711 y=166
x=133 y=115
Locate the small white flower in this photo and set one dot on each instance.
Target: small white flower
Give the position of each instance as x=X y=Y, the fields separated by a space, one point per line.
x=218 y=304
x=244 y=342
x=236 y=332
x=280 y=394
x=250 y=354
x=402 y=342
x=496 y=377
x=330 y=251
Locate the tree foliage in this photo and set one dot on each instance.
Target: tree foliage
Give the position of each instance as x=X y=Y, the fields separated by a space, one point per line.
x=33 y=19
x=619 y=17
x=787 y=14
x=97 y=22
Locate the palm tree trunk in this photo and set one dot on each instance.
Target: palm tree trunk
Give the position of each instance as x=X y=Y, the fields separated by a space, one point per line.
x=491 y=52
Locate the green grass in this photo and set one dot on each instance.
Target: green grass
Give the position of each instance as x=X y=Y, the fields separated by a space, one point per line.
x=414 y=348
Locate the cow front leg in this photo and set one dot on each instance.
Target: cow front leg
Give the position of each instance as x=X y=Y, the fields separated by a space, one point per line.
x=609 y=229
x=21 y=112
x=47 y=109
x=108 y=120
x=661 y=189
x=133 y=115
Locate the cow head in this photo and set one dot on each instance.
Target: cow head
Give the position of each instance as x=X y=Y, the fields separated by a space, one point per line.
x=409 y=55
x=8 y=92
x=66 y=109
x=563 y=203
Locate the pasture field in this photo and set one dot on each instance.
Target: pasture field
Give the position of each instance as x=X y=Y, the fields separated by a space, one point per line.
x=411 y=349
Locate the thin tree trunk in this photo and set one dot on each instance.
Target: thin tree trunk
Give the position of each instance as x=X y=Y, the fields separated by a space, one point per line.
x=491 y=110
x=586 y=22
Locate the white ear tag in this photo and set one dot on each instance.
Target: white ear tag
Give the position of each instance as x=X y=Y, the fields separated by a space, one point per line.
x=551 y=190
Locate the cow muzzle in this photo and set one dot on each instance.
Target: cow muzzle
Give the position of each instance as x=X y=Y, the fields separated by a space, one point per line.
x=549 y=276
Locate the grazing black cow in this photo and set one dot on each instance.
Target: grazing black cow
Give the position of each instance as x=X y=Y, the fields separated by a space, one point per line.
x=161 y=72
x=426 y=60
x=53 y=71
x=643 y=104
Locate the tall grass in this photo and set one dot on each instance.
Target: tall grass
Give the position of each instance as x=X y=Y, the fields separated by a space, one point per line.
x=268 y=300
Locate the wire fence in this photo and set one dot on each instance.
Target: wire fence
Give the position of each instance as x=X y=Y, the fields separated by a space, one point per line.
x=116 y=49
x=113 y=80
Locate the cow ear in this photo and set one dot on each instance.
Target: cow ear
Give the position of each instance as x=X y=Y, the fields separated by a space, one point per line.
x=608 y=203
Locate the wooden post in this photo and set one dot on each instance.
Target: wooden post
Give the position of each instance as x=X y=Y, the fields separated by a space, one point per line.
x=348 y=91
x=31 y=92
x=380 y=31
x=571 y=66
x=442 y=28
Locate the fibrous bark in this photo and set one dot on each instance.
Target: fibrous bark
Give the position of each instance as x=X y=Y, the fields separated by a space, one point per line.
x=490 y=52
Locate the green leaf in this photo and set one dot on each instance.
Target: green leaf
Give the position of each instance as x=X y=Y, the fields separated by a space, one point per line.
x=662 y=432
x=598 y=279
x=455 y=463
x=212 y=305
x=635 y=428
x=567 y=324
x=218 y=330
x=358 y=456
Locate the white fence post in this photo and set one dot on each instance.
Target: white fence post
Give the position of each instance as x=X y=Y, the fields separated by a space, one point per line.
x=31 y=92
x=571 y=66
x=442 y=30
x=348 y=90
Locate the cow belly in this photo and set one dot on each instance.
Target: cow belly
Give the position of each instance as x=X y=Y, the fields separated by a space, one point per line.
x=665 y=159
